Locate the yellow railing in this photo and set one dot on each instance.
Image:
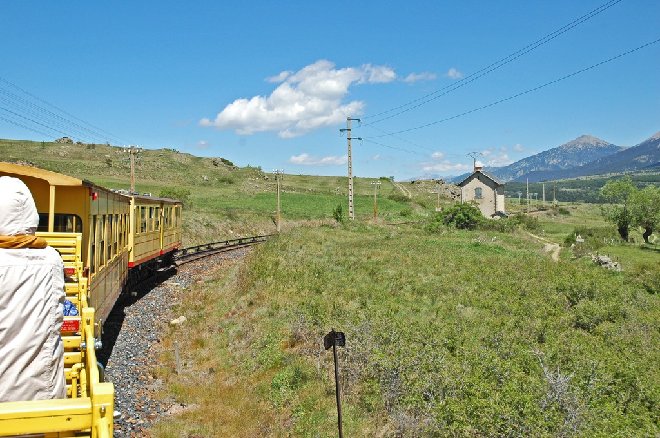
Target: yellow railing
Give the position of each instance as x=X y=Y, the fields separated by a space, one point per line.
x=89 y=405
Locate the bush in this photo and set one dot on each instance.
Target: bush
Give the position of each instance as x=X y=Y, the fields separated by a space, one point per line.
x=398 y=197
x=338 y=214
x=462 y=216
x=527 y=222
x=594 y=238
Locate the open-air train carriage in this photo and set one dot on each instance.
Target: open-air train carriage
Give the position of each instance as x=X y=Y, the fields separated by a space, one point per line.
x=103 y=238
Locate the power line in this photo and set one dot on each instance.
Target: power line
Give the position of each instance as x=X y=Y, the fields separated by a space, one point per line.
x=33 y=121
x=23 y=126
x=522 y=93
x=27 y=107
x=490 y=68
x=82 y=127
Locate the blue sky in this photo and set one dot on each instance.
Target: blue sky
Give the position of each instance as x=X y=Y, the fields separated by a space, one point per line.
x=270 y=83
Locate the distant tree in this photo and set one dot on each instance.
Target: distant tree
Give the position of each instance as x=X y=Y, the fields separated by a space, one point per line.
x=645 y=210
x=618 y=194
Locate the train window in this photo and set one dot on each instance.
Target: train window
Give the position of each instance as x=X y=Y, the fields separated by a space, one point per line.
x=143 y=219
x=64 y=223
x=110 y=237
x=115 y=236
x=102 y=241
x=157 y=219
x=151 y=218
x=92 y=250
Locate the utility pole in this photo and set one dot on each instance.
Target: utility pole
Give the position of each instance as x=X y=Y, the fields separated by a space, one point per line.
x=351 y=210
x=437 y=185
x=133 y=151
x=554 y=194
x=278 y=178
x=375 y=184
x=519 y=198
x=543 y=194
x=527 y=194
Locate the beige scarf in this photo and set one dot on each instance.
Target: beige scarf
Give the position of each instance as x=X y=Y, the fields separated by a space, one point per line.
x=22 y=241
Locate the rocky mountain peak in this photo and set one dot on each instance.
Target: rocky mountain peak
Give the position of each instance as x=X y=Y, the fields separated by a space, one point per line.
x=585 y=140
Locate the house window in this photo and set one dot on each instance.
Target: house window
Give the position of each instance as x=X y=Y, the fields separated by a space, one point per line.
x=477 y=193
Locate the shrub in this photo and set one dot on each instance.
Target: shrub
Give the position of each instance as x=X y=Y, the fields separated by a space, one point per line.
x=398 y=197
x=462 y=216
x=594 y=238
x=527 y=222
x=338 y=214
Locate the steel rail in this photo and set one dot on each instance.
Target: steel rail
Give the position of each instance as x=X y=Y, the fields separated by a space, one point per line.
x=192 y=253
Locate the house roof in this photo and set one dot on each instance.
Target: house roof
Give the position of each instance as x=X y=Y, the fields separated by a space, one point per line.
x=475 y=174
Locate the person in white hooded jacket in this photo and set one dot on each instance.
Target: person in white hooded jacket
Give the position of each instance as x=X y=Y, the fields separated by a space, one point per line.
x=31 y=297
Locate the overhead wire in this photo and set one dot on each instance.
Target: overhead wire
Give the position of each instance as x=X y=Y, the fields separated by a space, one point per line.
x=416 y=103
x=522 y=93
x=85 y=130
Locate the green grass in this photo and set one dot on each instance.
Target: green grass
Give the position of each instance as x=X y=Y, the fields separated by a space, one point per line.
x=455 y=333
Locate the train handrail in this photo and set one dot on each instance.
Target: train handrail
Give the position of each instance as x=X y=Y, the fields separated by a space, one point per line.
x=90 y=406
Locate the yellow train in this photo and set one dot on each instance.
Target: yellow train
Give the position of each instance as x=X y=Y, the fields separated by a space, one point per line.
x=105 y=238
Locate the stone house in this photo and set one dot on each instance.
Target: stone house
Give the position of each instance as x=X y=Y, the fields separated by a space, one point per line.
x=485 y=190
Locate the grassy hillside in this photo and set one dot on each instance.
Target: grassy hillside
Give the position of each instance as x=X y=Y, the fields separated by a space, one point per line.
x=225 y=201
x=454 y=333
x=450 y=333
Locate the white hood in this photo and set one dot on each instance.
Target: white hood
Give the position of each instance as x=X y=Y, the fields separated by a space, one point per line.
x=18 y=214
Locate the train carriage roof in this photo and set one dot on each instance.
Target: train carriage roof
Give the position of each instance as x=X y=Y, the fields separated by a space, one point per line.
x=58 y=179
x=53 y=178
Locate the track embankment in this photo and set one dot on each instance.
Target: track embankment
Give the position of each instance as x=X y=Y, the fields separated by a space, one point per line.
x=132 y=344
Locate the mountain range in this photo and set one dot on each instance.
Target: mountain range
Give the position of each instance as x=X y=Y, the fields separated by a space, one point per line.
x=586 y=155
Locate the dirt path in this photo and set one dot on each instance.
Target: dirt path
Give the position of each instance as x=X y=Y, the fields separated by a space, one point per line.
x=404 y=190
x=549 y=247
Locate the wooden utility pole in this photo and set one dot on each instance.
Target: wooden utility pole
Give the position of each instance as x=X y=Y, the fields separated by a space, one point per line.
x=375 y=184
x=351 y=209
x=278 y=217
x=133 y=151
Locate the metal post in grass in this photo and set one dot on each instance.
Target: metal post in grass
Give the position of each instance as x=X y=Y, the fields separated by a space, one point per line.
x=332 y=339
x=278 y=177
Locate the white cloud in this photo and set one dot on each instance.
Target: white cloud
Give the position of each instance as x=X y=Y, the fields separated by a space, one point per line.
x=442 y=165
x=496 y=156
x=518 y=147
x=305 y=100
x=424 y=76
x=279 y=77
x=445 y=166
x=499 y=160
x=308 y=160
x=376 y=157
x=453 y=73
x=202 y=144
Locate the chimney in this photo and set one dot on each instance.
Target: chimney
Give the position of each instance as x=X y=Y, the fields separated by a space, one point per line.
x=478 y=166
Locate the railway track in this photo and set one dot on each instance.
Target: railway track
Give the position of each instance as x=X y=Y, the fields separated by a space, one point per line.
x=193 y=253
